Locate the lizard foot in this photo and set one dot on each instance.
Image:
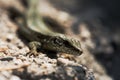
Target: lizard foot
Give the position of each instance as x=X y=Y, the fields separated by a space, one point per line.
x=33 y=48
x=32 y=52
x=68 y=56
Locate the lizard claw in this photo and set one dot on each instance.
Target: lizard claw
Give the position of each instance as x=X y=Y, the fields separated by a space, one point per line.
x=68 y=56
x=33 y=48
x=34 y=53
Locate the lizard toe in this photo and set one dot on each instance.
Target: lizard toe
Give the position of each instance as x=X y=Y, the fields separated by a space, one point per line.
x=32 y=53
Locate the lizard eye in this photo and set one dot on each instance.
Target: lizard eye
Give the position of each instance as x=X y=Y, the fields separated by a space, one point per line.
x=58 y=41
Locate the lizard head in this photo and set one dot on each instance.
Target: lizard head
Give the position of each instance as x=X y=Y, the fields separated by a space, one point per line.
x=66 y=45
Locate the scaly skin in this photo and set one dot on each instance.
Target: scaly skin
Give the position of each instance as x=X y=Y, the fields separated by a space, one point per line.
x=42 y=37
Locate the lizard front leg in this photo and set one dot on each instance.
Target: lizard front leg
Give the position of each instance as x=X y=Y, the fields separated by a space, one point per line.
x=33 y=48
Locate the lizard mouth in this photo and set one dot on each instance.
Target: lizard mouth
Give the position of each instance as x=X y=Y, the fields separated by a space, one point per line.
x=76 y=53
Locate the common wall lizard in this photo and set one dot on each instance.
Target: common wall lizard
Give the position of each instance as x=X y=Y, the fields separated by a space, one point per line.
x=42 y=37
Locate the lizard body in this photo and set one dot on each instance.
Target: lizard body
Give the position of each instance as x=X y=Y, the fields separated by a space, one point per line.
x=42 y=37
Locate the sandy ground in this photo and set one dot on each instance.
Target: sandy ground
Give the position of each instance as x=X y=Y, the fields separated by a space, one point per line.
x=96 y=62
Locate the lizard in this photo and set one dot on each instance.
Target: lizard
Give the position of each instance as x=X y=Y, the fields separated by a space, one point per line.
x=40 y=36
